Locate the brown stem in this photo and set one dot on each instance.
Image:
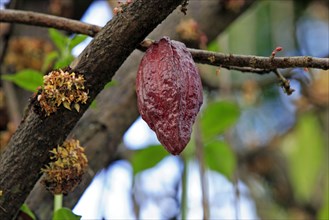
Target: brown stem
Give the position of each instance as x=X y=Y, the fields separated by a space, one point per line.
x=256 y=64
x=13 y=4
x=203 y=177
x=284 y=83
x=8 y=87
x=44 y=20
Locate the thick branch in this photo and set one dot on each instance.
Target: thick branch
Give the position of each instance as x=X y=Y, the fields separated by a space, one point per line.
x=28 y=150
x=254 y=64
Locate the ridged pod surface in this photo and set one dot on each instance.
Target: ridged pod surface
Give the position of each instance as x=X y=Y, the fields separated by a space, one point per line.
x=169 y=93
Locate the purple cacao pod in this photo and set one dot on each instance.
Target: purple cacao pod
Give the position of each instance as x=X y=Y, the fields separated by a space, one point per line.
x=169 y=93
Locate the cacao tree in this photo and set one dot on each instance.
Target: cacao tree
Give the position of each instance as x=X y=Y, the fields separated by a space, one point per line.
x=169 y=96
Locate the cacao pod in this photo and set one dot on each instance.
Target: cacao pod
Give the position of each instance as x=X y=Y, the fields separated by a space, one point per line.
x=169 y=93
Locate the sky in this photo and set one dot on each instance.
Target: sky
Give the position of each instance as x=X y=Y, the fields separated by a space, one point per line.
x=2 y=3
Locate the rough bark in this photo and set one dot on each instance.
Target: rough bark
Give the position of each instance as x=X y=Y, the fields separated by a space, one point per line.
x=254 y=63
x=100 y=130
x=28 y=149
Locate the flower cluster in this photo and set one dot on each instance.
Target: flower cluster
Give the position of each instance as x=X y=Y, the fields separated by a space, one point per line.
x=64 y=173
x=61 y=87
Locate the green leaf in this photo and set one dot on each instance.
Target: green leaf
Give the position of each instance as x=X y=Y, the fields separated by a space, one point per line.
x=49 y=58
x=213 y=46
x=110 y=84
x=59 y=39
x=65 y=214
x=220 y=157
x=27 y=210
x=64 y=61
x=148 y=157
x=217 y=117
x=189 y=152
x=323 y=213
x=77 y=39
x=93 y=105
x=27 y=79
x=306 y=155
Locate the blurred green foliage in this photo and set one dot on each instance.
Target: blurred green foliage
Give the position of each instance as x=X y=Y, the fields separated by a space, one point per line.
x=218 y=117
x=30 y=79
x=147 y=158
x=24 y=208
x=63 y=56
x=27 y=79
x=215 y=119
x=220 y=157
x=305 y=151
x=65 y=214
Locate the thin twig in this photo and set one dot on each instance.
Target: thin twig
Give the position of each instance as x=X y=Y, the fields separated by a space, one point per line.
x=7 y=35
x=284 y=83
x=237 y=196
x=203 y=177
x=3 y=209
x=136 y=206
x=247 y=69
x=11 y=98
x=256 y=64
x=184 y=201
x=44 y=20
x=183 y=7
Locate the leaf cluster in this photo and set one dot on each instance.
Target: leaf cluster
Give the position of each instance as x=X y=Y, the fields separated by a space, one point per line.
x=216 y=118
x=30 y=79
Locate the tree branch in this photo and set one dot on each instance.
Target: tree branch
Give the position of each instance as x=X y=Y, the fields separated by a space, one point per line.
x=256 y=64
x=28 y=149
x=44 y=20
